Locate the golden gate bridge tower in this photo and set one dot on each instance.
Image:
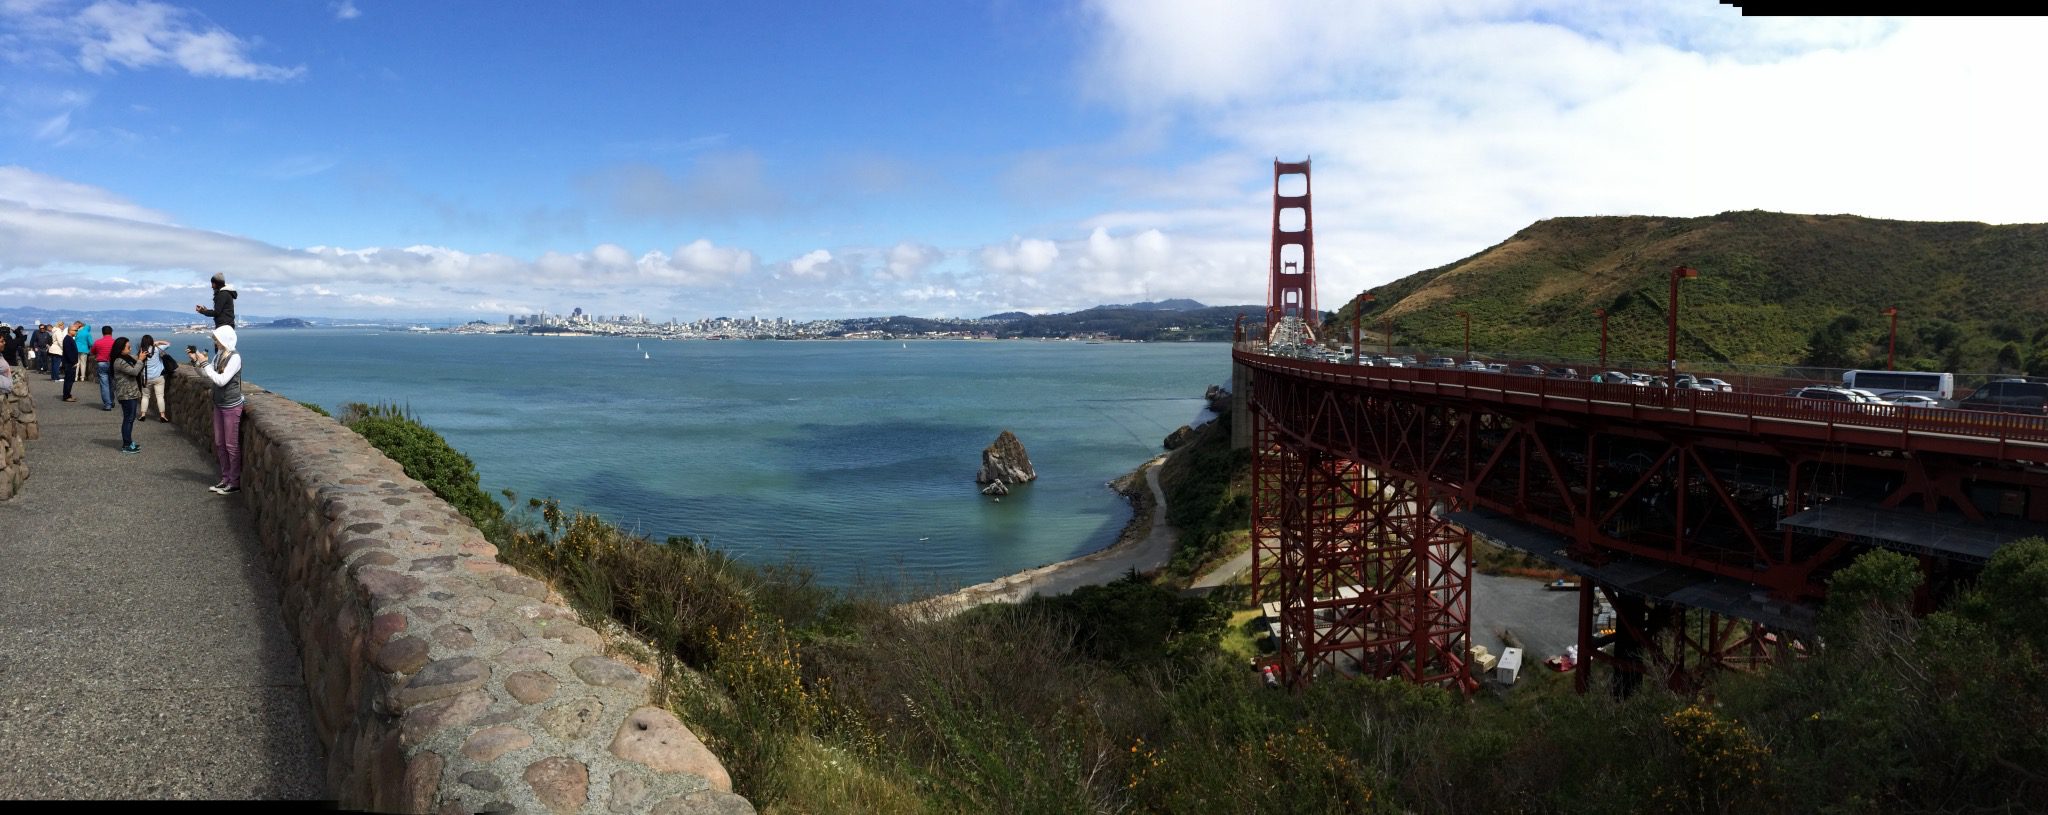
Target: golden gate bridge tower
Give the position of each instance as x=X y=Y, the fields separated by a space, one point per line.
x=1353 y=560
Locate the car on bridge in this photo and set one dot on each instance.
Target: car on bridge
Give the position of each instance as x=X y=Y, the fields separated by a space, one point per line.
x=1442 y=362
x=2009 y=396
x=1529 y=370
x=1563 y=373
x=1828 y=394
x=1473 y=365
x=1904 y=399
x=1618 y=378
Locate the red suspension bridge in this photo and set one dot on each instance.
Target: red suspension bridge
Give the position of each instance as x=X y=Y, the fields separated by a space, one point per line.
x=1709 y=522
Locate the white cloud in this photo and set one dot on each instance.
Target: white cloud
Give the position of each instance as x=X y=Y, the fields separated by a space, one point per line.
x=908 y=260
x=346 y=10
x=57 y=237
x=812 y=264
x=136 y=35
x=1025 y=256
x=1440 y=130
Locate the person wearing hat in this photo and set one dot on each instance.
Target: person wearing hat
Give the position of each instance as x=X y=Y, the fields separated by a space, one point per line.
x=224 y=370
x=223 y=311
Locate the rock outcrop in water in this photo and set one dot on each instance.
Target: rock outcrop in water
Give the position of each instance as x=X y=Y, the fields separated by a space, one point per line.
x=1218 y=398
x=1005 y=462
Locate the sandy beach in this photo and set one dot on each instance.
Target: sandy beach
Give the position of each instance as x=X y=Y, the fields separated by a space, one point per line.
x=1145 y=545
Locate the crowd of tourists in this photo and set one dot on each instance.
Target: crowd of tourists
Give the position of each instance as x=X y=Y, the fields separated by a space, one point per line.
x=131 y=375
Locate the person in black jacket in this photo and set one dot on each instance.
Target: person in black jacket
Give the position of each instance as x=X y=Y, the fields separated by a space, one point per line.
x=223 y=311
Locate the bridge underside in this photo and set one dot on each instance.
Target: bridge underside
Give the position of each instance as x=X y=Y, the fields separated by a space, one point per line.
x=1710 y=548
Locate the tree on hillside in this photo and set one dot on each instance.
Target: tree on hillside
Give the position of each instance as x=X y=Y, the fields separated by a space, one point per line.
x=1834 y=345
x=2009 y=359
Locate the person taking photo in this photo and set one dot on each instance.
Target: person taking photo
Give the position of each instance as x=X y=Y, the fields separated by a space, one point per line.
x=224 y=370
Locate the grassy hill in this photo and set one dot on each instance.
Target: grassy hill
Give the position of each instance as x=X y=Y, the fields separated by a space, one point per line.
x=1774 y=288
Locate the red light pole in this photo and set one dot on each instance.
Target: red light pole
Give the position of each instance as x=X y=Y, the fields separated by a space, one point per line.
x=1891 y=348
x=1468 y=334
x=1358 y=314
x=1671 y=323
x=1603 y=337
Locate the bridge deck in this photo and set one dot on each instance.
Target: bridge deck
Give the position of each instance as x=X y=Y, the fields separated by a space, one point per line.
x=142 y=654
x=2001 y=436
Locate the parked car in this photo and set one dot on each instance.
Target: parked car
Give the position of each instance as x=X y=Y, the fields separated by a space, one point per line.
x=1390 y=362
x=1529 y=370
x=1618 y=378
x=1408 y=360
x=2009 y=396
x=1869 y=397
x=1497 y=367
x=1442 y=362
x=1717 y=385
x=1563 y=373
x=1472 y=365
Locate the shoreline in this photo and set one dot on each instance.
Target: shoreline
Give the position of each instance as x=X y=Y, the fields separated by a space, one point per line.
x=1144 y=544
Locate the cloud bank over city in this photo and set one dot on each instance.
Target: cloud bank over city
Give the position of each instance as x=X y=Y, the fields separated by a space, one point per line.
x=325 y=160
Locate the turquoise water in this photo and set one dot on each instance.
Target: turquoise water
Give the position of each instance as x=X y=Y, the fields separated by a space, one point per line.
x=853 y=457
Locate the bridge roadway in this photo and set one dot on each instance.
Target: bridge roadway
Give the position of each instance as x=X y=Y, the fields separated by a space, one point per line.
x=1999 y=436
x=142 y=653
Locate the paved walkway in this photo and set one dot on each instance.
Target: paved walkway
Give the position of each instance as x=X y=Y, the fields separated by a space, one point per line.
x=142 y=654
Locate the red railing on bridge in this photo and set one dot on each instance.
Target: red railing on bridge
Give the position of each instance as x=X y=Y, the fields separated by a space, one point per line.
x=2007 y=436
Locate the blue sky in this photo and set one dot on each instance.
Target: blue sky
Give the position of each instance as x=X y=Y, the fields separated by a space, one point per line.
x=937 y=158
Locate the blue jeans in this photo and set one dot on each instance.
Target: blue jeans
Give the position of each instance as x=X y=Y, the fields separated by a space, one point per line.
x=106 y=371
x=128 y=410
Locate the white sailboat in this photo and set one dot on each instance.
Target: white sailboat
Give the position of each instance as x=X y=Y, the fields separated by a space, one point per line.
x=643 y=355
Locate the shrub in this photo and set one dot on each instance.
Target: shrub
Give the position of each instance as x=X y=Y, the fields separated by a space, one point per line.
x=426 y=458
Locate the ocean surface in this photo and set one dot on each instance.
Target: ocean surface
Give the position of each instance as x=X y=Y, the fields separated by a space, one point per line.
x=853 y=458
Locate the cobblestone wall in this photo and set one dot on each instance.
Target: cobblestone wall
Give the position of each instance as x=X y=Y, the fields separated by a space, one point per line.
x=17 y=428
x=441 y=680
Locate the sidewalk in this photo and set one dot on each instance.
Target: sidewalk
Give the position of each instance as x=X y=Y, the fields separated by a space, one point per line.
x=142 y=654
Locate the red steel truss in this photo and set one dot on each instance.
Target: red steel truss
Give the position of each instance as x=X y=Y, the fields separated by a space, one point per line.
x=1367 y=579
x=1353 y=467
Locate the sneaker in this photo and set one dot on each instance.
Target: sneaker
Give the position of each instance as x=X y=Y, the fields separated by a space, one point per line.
x=133 y=447
x=229 y=490
x=218 y=487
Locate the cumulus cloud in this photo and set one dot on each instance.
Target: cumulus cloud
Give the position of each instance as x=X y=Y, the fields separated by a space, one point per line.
x=815 y=265
x=1438 y=131
x=55 y=236
x=346 y=10
x=907 y=260
x=1022 y=256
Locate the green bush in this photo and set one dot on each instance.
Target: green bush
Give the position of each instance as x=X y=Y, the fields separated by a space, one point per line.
x=426 y=458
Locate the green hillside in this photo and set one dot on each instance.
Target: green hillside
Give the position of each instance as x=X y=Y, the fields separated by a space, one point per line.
x=1773 y=288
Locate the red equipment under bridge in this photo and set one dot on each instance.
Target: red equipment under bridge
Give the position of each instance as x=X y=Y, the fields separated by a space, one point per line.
x=1709 y=521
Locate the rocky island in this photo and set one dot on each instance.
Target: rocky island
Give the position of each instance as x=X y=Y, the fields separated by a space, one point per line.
x=1003 y=463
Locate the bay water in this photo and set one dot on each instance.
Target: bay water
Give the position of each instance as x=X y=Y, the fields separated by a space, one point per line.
x=853 y=458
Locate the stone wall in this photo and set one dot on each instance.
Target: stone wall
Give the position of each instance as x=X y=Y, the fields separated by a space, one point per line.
x=441 y=680
x=17 y=428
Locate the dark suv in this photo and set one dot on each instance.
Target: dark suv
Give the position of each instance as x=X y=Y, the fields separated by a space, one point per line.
x=2009 y=396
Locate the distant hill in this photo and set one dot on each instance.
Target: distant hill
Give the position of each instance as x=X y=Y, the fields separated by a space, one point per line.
x=1008 y=315
x=1204 y=323
x=288 y=322
x=114 y=317
x=1162 y=305
x=1773 y=288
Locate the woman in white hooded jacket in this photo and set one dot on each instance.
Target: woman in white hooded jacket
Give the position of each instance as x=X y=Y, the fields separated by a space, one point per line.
x=224 y=370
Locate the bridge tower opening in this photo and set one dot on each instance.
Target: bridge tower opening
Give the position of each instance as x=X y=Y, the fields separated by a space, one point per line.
x=1291 y=278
